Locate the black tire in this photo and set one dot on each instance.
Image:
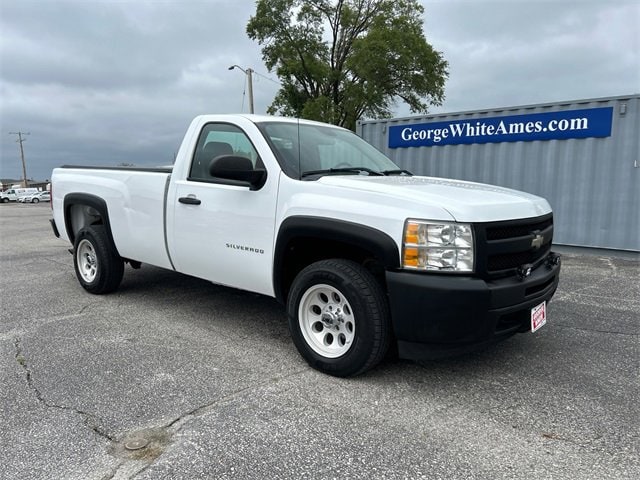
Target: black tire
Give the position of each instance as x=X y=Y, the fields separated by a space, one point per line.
x=98 y=266
x=325 y=298
x=35 y=200
x=5 y=200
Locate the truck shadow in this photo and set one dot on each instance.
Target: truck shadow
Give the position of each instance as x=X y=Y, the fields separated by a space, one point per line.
x=261 y=319
x=231 y=312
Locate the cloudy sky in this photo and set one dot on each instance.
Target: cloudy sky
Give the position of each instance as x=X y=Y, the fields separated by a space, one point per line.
x=109 y=82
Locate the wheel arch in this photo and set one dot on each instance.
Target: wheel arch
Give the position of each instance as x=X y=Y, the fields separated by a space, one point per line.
x=83 y=209
x=303 y=240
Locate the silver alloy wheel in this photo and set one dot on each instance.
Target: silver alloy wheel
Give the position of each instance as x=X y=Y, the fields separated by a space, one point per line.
x=86 y=259
x=326 y=321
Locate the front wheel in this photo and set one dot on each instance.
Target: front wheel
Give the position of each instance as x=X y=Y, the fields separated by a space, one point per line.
x=98 y=266
x=35 y=200
x=339 y=317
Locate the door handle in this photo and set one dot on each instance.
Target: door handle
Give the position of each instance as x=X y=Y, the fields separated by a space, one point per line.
x=190 y=200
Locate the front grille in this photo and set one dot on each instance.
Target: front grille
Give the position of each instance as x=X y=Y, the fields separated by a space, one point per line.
x=505 y=246
x=511 y=231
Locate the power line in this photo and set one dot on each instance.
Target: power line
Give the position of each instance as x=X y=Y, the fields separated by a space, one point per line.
x=24 y=167
x=267 y=78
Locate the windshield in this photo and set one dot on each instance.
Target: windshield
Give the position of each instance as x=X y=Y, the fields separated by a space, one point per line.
x=310 y=151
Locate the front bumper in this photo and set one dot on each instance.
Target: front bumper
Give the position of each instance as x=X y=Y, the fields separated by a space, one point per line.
x=437 y=315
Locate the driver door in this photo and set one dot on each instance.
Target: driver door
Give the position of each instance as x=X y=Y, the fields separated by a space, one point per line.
x=223 y=232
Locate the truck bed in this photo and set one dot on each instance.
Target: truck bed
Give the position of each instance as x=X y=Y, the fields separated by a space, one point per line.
x=136 y=196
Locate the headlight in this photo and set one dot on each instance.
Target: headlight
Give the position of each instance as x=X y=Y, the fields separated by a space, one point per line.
x=437 y=246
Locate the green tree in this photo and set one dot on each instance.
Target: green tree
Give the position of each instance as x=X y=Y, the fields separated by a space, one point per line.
x=341 y=60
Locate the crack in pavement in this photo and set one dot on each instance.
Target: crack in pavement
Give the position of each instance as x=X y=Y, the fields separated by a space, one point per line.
x=593 y=330
x=130 y=469
x=178 y=423
x=87 y=306
x=557 y=437
x=90 y=420
x=199 y=411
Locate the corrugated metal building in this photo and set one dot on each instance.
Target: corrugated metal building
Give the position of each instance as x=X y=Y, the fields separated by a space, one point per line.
x=583 y=156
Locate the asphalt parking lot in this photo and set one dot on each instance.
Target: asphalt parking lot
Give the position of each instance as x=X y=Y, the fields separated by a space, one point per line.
x=206 y=379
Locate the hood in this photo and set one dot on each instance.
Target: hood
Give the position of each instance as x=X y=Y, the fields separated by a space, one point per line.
x=464 y=201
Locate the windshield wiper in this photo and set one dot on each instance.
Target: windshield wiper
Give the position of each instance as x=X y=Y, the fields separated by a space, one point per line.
x=397 y=172
x=330 y=171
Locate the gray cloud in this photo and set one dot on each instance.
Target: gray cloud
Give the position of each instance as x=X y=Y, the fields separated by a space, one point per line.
x=103 y=82
x=505 y=53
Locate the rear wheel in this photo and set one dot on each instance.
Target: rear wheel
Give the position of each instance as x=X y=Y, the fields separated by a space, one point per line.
x=339 y=317
x=98 y=266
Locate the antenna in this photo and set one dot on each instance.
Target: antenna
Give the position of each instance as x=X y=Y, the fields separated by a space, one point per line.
x=299 y=152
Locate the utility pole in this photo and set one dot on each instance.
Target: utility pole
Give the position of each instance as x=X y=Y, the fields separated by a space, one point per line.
x=248 y=72
x=250 y=88
x=24 y=166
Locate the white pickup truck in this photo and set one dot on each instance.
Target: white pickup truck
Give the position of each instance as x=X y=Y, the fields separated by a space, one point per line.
x=363 y=254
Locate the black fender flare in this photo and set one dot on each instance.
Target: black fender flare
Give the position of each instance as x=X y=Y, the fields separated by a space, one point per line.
x=381 y=245
x=88 y=200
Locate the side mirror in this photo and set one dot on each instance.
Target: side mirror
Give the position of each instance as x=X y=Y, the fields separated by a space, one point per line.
x=239 y=169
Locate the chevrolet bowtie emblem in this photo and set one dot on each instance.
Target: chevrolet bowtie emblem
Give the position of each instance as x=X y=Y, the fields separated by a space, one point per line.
x=537 y=241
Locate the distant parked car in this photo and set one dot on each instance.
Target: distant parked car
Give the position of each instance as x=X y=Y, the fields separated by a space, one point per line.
x=14 y=194
x=36 y=198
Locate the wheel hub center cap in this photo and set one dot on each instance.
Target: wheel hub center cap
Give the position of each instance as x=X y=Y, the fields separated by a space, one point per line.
x=332 y=316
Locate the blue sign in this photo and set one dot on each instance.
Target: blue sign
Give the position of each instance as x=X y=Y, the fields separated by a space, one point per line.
x=591 y=122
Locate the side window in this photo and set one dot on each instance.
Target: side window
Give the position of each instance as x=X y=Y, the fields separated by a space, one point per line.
x=218 y=139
